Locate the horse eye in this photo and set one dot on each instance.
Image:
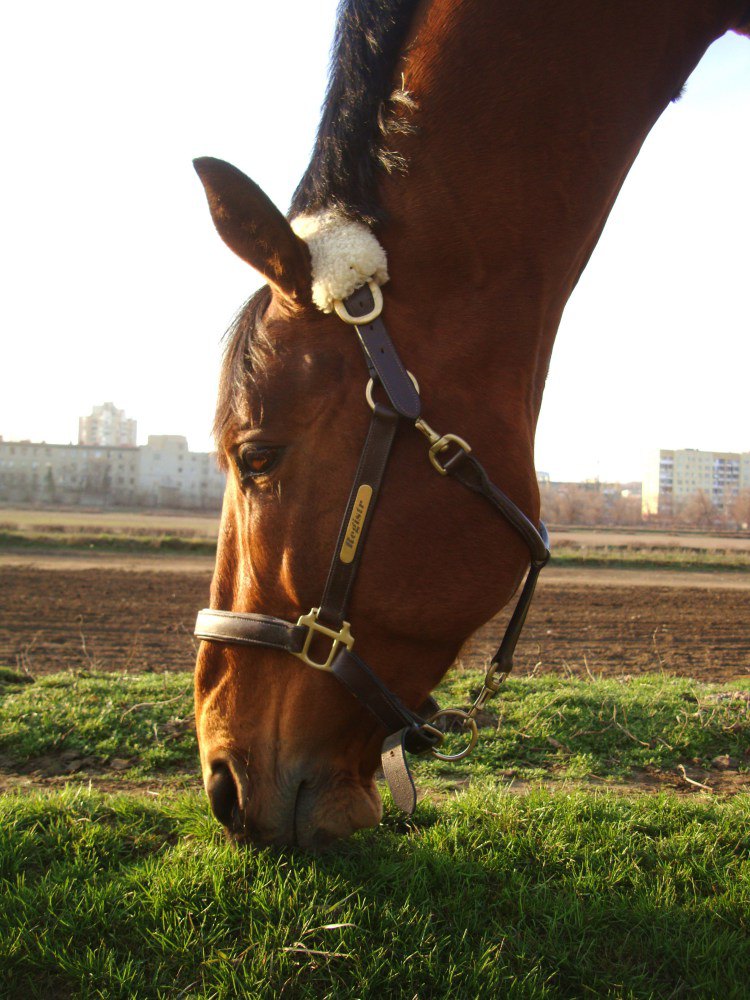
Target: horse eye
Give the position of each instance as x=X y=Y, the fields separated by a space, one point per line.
x=255 y=462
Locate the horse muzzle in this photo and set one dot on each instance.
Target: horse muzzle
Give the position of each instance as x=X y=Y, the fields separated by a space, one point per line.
x=293 y=806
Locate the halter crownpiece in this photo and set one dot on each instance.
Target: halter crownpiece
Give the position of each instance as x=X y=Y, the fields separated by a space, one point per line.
x=451 y=456
x=345 y=255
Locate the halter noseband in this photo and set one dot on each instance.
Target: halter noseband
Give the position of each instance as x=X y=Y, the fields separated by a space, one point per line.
x=451 y=456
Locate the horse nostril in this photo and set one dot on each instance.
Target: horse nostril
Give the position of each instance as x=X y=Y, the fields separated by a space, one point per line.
x=222 y=794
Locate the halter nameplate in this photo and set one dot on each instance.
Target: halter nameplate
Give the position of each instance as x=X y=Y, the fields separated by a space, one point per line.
x=356 y=523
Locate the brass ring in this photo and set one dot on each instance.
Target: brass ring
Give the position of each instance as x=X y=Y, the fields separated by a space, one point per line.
x=468 y=722
x=371 y=386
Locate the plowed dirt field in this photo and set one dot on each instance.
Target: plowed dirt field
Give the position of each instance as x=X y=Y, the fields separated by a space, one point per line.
x=110 y=619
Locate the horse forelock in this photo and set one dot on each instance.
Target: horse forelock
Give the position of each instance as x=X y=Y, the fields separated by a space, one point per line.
x=245 y=358
x=360 y=112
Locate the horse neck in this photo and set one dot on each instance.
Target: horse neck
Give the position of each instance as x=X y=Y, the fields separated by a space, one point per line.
x=528 y=118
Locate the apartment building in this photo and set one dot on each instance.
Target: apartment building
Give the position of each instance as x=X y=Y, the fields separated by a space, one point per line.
x=107 y=427
x=162 y=473
x=172 y=476
x=674 y=475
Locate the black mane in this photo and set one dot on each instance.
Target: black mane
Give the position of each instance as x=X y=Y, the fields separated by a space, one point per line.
x=349 y=149
x=360 y=111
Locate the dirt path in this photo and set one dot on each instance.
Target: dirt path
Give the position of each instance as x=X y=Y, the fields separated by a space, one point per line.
x=564 y=576
x=118 y=561
x=640 y=539
x=575 y=576
x=129 y=618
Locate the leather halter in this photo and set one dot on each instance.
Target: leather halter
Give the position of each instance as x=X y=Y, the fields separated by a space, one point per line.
x=451 y=456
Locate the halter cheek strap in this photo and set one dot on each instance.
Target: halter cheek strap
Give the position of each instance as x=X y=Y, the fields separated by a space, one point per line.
x=323 y=638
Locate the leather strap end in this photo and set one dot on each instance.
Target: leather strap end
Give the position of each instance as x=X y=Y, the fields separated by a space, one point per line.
x=397 y=773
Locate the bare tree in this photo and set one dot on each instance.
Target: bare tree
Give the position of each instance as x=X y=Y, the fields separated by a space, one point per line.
x=588 y=504
x=698 y=510
x=740 y=509
x=625 y=510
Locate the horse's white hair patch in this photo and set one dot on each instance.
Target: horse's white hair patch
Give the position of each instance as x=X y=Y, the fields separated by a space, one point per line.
x=345 y=255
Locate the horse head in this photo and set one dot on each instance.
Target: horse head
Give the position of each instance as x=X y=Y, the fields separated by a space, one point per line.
x=287 y=754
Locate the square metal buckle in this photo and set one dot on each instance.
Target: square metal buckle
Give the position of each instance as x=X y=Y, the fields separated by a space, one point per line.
x=343 y=637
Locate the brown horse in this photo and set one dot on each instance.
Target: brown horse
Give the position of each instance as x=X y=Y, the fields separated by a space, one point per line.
x=484 y=143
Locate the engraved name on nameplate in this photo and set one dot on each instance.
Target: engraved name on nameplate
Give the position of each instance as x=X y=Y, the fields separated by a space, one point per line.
x=356 y=523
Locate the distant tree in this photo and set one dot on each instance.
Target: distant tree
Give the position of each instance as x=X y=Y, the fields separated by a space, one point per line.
x=698 y=510
x=592 y=505
x=549 y=503
x=566 y=511
x=740 y=509
x=625 y=510
x=573 y=503
x=49 y=485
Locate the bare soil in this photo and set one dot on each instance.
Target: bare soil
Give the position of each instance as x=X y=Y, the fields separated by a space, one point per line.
x=114 y=521
x=628 y=627
x=695 y=781
x=138 y=619
x=98 y=619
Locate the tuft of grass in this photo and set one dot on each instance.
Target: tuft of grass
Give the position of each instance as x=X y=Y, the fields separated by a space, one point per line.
x=113 y=521
x=10 y=676
x=149 y=535
x=546 y=895
x=85 y=720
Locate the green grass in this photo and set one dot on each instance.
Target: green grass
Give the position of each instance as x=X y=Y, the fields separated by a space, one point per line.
x=538 y=727
x=607 y=728
x=102 y=542
x=650 y=557
x=116 y=520
x=489 y=895
x=561 y=892
x=10 y=676
x=144 y=719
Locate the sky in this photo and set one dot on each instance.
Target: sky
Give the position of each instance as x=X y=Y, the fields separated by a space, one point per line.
x=116 y=287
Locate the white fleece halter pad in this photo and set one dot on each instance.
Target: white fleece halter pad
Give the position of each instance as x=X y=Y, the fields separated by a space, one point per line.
x=345 y=255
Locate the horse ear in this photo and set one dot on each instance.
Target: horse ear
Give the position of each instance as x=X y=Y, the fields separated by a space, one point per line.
x=252 y=226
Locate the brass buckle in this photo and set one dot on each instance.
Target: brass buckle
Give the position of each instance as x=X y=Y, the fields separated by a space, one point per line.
x=468 y=723
x=377 y=298
x=343 y=637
